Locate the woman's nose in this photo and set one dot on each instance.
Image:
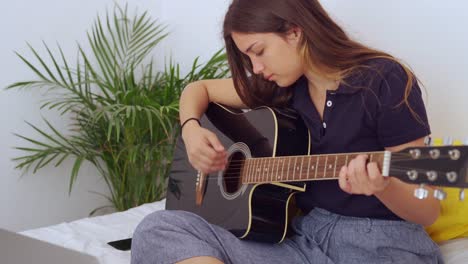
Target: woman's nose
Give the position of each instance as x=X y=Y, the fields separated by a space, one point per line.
x=257 y=67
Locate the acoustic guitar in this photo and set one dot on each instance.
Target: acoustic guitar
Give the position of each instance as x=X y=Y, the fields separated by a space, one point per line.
x=269 y=161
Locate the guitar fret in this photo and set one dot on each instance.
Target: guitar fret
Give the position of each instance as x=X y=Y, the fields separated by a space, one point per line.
x=277 y=167
x=246 y=172
x=294 y=168
x=308 y=167
x=254 y=166
x=260 y=170
x=265 y=164
x=271 y=163
x=316 y=167
x=325 y=167
x=270 y=169
x=282 y=168
x=249 y=178
x=334 y=170
x=273 y=177
x=250 y=170
x=302 y=162
x=289 y=163
x=252 y=173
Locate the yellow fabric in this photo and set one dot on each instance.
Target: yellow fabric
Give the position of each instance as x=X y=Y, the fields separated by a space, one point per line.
x=453 y=220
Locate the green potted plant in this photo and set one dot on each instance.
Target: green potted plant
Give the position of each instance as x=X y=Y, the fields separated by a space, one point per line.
x=124 y=112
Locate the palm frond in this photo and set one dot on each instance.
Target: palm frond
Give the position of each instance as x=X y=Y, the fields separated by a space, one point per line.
x=124 y=113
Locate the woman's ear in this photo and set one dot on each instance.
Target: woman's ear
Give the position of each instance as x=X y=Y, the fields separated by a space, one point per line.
x=295 y=34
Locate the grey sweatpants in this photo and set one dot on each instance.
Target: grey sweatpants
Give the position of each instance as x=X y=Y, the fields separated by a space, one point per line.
x=322 y=237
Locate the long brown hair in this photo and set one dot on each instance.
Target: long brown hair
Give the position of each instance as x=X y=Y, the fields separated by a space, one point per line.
x=324 y=46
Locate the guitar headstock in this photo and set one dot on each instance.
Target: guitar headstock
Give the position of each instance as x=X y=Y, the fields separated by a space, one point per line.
x=442 y=166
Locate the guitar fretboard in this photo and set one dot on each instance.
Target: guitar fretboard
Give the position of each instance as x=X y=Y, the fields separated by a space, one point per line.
x=300 y=168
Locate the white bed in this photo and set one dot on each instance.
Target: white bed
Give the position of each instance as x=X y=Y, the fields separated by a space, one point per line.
x=90 y=235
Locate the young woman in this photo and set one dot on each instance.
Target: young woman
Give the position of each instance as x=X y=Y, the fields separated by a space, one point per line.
x=352 y=98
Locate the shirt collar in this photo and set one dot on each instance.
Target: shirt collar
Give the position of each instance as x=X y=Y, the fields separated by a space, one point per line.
x=350 y=85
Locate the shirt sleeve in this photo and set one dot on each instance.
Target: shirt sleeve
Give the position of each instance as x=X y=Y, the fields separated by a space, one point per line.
x=396 y=122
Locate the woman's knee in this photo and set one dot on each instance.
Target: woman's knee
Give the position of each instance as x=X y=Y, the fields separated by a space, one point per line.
x=166 y=220
x=158 y=232
x=150 y=234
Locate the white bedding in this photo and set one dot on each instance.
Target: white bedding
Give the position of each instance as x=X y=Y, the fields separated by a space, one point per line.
x=90 y=235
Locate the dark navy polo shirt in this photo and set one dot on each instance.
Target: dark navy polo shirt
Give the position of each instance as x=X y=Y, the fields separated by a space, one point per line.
x=360 y=116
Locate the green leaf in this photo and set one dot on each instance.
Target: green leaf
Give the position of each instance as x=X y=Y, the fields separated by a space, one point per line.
x=124 y=112
x=74 y=173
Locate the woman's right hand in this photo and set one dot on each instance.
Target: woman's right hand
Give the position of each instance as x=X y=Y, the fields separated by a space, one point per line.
x=204 y=150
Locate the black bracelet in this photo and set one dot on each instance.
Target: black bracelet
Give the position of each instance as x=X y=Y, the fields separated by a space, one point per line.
x=185 y=122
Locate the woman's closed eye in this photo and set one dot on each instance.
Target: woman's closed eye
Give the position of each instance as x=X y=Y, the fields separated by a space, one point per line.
x=260 y=53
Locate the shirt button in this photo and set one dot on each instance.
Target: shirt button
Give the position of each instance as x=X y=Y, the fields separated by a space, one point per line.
x=329 y=103
x=324 y=125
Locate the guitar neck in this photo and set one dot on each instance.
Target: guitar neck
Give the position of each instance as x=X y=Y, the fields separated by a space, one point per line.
x=304 y=168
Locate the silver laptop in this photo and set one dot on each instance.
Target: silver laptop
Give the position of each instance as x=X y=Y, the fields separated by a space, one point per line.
x=19 y=249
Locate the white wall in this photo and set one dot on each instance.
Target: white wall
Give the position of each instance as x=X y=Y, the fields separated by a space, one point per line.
x=42 y=199
x=432 y=37
x=429 y=35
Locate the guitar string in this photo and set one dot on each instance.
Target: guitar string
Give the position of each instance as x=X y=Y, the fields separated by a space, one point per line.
x=238 y=164
x=401 y=157
x=229 y=176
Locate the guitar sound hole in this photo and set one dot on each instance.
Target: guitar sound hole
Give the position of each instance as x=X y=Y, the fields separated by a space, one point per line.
x=231 y=178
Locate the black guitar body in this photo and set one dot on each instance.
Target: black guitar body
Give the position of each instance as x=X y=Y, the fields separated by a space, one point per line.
x=249 y=211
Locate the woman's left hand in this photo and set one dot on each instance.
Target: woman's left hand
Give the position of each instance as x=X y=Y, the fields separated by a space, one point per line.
x=360 y=177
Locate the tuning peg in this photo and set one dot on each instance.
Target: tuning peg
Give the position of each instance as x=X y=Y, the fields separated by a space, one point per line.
x=431 y=175
x=415 y=153
x=461 y=197
x=452 y=176
x=454 y=154
x=420 y=192
x=412 y=174
x=440 y=194
x=434 y=153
